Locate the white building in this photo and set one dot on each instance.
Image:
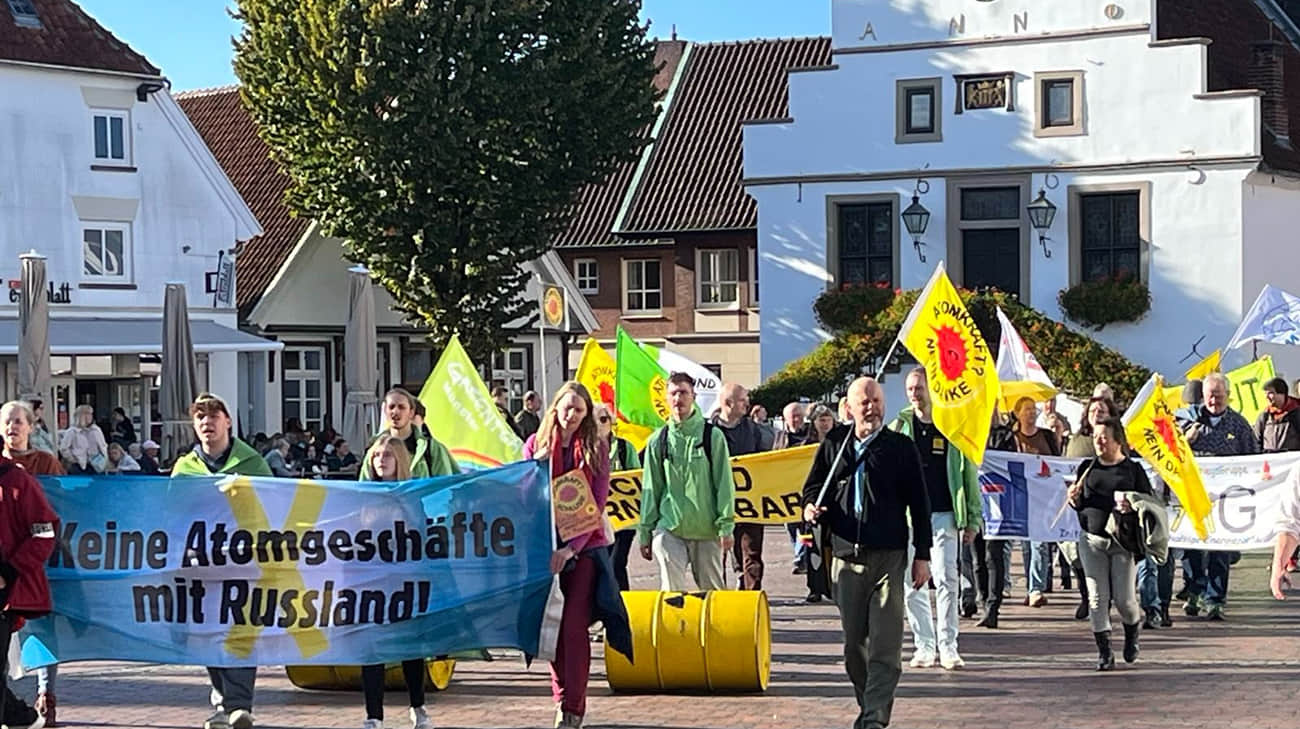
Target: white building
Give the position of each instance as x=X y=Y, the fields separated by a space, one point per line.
x=1159 y=151
x=104 y=175
x=294 y=289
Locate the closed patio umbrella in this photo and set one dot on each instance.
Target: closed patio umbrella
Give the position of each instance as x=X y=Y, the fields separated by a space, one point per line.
x=33 y=330
x=361 y=375
x=179 y=387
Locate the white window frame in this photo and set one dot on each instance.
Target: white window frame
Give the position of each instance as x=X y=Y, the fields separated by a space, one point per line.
x=593 y=279
x=302 y=375
x=643 y=312
x=104 y=227
x=718 y=254
x=753 y=278
x=109 y=115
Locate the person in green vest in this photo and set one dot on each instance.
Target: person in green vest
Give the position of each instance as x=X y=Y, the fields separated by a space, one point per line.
x=428 y=456
x=956 y=516
x=219 y=452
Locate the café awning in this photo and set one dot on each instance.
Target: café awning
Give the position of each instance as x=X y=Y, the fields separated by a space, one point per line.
x=92 y=335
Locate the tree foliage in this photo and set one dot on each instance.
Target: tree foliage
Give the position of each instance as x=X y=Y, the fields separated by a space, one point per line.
x=442 y=140
x=1075 y=362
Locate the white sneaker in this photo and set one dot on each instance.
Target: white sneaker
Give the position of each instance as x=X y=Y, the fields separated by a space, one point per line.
x=922 y=659
x=373 y=724
x=951 y=661
x=419 y=718
x=218 y=720
x=241 y=719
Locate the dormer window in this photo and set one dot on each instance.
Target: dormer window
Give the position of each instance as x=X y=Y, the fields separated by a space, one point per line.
x=24 y=12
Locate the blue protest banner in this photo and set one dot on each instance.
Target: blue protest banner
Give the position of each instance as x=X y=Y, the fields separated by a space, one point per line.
x=237 y=571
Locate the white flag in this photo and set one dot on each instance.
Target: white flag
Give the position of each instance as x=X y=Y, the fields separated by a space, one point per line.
x=1018 y=369
x=707 y=384
x=1274 y=318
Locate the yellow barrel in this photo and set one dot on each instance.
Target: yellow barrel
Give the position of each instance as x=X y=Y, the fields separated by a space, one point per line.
x=714 y=641
x=348 y=678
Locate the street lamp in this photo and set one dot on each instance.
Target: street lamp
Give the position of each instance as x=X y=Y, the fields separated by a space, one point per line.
x=916 y=218
x=1041 y=214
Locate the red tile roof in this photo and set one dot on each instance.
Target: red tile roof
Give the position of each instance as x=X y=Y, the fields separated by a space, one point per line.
x=591 y=219
x=693 y=180
x=67 y=36
x=228 y=130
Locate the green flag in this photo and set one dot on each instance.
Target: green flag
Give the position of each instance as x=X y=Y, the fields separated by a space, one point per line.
x=640 y=384
x=462 y=414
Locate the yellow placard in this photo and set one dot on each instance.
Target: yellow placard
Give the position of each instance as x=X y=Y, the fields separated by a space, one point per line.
x=575 y=508
x=769 y=489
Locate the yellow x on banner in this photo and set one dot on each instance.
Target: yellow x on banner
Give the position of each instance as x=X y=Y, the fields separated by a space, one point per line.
x=769 y=489
x=304 y=512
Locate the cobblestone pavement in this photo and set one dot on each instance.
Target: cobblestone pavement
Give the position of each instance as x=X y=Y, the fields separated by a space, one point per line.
x=1033 y=672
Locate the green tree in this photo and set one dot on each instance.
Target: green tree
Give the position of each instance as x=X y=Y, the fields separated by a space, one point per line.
x=443 y=140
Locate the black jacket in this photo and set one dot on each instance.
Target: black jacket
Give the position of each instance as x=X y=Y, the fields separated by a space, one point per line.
x=1280 y=432
x=897 y=489
x=744 y=437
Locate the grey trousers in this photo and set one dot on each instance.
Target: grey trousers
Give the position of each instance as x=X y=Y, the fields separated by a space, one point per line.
x=1111 y=575
x=232 y=688
x=702 y=557
x=870 y=599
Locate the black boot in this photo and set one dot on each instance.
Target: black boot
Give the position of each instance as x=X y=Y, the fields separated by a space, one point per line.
x=1165 y=620
x=990 y=619
x=1081 y=612
x=1131 y=646
x=1105 y=658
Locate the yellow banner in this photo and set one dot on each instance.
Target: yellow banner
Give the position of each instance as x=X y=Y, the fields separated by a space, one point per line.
x=960 y=372
x=769 y=489
x=1152 y=431
x=1246 y=394
x=1205 y=366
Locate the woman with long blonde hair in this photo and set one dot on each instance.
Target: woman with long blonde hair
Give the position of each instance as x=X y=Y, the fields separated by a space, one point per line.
x=569 y=440
x=389 y=460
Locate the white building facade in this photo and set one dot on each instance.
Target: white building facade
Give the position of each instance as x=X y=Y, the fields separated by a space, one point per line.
x=976 y=107
x=105 y=177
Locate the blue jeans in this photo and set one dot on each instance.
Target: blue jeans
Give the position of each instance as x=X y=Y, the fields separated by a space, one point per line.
x=1155 y=584
x=1207 y=575
x=800 y=549
x=1038 y=561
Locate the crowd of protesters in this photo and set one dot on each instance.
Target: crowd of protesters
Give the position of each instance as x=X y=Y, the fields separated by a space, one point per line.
x=895 y=505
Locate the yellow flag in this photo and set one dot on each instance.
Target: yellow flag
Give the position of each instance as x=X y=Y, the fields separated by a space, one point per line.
x=1246 y=394
x=960 y=372
x=1152 y=431
x=1205 y=366
x=596 y=371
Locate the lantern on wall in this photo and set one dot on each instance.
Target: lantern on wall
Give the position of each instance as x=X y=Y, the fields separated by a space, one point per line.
x=1041 y=214
x=916 y=218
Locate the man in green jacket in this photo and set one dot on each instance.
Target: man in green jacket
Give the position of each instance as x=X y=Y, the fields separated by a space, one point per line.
x=218 y=452
x=428 y=456
x=688 y=508
x=956 y=515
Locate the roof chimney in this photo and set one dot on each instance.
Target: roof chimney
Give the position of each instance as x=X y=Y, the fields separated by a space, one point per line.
x=674 y=31
x=1265 y=74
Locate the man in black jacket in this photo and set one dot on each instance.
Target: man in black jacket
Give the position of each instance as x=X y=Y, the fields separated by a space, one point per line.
x=875 y=482
x=744 y=436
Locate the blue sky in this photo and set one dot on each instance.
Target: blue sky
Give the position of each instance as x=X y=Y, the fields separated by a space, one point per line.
x=190 y=39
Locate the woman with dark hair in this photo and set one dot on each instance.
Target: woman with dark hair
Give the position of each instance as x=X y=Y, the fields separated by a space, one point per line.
x=1099 y=408
x=122 y=429
x=569 y=440
x=1101 y=492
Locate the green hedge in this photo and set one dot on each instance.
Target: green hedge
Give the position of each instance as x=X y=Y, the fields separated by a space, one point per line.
x=1074 y=361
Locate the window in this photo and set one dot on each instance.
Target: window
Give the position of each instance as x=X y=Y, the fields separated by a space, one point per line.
x=512 y=369
x=718 y=272
x=643 y=286
x=918 y=111
x=105 y=251
x=988 y=234
x=866 y=244
x=112 y=137
x=753 y=278
x=1060 y=104
x=303 y=386
x=1110 y=235
x=24 y=12
x=587 y=274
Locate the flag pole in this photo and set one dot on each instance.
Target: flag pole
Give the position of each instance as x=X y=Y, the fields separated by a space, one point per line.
x=880 y=376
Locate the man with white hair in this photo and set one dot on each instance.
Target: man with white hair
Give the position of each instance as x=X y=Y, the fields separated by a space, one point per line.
x=794 y=433
x=866 y=482
x=1217 y=430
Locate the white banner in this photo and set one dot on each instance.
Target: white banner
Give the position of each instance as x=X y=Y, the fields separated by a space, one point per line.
x=1024 y=498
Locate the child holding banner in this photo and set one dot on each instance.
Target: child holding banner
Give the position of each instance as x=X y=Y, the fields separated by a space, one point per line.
x=388 y=460
x=569 y=440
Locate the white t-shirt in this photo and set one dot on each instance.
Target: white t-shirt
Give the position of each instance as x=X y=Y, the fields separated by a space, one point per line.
x=1288 y=520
